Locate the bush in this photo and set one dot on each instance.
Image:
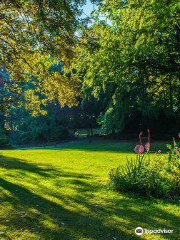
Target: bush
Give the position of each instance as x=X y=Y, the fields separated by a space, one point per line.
x=147 y=177
x=4 y=140
x=41 y=135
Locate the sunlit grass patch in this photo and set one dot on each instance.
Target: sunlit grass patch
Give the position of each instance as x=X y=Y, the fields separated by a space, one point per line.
x=61 y=193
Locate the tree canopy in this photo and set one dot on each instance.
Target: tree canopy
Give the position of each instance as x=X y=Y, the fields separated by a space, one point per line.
x=34 y=35
x=122 y=71
x=134 y=61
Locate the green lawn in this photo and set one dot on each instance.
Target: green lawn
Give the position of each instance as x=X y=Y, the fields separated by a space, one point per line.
x=60 y=193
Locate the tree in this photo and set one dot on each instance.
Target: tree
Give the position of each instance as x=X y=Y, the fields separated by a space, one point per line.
x=34 y=35
x=134 y=61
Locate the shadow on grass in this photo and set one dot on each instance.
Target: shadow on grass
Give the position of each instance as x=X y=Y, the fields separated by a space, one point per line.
x=45 y=171
x=56 y=215
x=14 y=163
x=68 y=224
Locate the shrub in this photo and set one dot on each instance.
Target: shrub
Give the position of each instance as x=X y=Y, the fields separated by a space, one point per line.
x=159 y=178
x=41 y=135
x=4 y=140
x=147 y=177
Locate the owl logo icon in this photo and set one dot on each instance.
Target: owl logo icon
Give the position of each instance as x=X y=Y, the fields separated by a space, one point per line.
x=139 y=231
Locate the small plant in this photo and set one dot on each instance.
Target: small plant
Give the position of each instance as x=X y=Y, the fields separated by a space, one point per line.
x=142 y=176
x=174 y=153
x=126 y=178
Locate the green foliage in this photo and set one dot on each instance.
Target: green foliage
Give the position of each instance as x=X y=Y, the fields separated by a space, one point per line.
x=4 y=140
x=40 y=134
x=134 y=63
x=147 y=177
x=34 y=35
x=25 y=128
x=174 y=153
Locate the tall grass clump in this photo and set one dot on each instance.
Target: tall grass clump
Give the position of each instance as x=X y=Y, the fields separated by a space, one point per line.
x=159 y=177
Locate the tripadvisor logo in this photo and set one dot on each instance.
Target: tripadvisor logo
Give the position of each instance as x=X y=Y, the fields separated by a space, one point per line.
x=139 y=231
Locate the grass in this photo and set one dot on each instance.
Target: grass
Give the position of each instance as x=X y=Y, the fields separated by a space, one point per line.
x=60 y=193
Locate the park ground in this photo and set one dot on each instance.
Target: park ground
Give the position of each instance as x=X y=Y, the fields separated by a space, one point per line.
x=61 y=193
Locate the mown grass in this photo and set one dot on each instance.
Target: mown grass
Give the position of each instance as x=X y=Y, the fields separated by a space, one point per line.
x=61 y=193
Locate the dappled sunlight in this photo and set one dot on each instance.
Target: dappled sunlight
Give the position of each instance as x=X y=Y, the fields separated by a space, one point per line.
x=89 y=120
x=42 y=198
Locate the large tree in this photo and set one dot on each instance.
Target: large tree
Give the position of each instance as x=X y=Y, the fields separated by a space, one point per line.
x=134 y=61
x=34 y=35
